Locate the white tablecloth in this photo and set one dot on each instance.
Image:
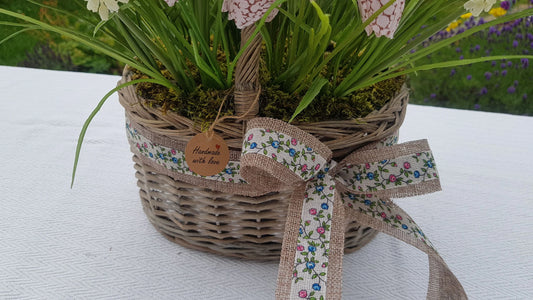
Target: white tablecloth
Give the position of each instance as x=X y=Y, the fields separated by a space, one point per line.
x=94 y=241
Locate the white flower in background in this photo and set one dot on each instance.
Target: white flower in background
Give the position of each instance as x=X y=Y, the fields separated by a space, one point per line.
x=247 y=12
x=476 y=6
x=171 y=2
x=387 y=22
x=103 y=7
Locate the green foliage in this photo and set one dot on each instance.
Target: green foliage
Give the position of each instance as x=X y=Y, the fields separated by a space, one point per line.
x=498 y=85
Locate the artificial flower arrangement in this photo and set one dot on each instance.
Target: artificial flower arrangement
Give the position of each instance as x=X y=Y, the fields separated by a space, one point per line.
x=324 y=76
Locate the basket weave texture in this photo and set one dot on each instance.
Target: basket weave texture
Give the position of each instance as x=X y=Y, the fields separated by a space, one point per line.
x=203 y=218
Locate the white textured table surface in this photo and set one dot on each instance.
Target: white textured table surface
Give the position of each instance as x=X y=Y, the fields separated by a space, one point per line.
x=94 y=241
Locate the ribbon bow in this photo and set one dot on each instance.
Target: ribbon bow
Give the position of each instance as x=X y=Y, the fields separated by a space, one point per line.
x=277 y=156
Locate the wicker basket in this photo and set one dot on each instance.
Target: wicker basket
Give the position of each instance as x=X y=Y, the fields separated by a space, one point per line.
x=228 y=224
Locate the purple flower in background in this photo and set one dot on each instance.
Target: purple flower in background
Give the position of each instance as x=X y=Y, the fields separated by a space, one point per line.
x=530 y=37
x=509 y=63
x=515 y=43
x=525 y=62
x=505 y=5
x=493 y=63
x=433 y=96
x=452 y=72
x=515 y=83
x=469 y=77
x=481 y=21
x=531 y=45
x=524 y=96
x=477 y=47
x=477 y=106
x=458 y=50
x=519 y=36
x=504 y=73
x=461 y=57
x=483 y=91
x=492 y=29
x=511 y=90
x=488 y=75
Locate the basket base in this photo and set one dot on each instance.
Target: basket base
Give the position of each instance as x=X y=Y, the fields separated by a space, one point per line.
x=224 y=224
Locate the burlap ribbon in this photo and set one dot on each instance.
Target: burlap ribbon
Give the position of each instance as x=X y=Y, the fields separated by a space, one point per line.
x=277 y=156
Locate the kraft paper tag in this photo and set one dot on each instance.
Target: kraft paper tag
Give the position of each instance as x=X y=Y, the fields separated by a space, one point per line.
x=207 y=154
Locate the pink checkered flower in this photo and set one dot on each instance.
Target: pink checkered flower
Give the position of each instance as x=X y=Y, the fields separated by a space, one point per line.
x=387 y=22
x=247 y=12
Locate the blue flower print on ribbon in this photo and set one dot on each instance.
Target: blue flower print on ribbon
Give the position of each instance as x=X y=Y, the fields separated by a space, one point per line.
x=174 y=160
x=229 y=171
x=351 y=196
x=275 y=144
x=310 y=265
x=320 y=176
x=368 y=202
x=292 y=152
x=309 y=149
x=370 y=175
x=416 y=174
x=324 y=206
x=311 y=248
x=151 y=155
x=161 y=156
x=319 y=188
x=404 y=226
x=430 y=164
x=253 y=145
x=316 y=287
x=301 y=231
x=358 y=177
x=384 y=161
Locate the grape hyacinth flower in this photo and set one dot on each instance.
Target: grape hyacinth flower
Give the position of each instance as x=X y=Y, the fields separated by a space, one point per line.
x=488 y=75
x=469 y=77
x=511 y=90
x=525 y=62
x=483 y=91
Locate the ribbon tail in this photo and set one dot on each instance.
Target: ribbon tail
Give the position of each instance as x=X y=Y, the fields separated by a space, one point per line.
x=313 y=243
x=385 y=216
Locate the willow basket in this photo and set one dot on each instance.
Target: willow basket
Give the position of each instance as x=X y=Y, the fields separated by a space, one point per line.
x=229 y=224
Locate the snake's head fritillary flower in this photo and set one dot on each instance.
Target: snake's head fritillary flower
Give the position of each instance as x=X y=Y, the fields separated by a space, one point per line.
x=103 y=7
x=247 y=12
x=477 y=6
x=171 y=2
x=387 y=22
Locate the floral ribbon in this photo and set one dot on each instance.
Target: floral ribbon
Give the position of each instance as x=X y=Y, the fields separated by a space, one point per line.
x=277 y=156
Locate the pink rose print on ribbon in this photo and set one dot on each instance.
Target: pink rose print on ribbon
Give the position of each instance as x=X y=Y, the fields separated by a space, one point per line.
x=312 y=211
x=300 y=248
x=367 y=165
x=320 y=230
x=399 y=218
x=247 y=12
x=173 y=151
x=317 y=167
x=383 y=215
x=387 y=22
x=250 y=137
x=294 y=142
x=302 y=294
x=304 y=168
x=406 y=165
x=392 y=178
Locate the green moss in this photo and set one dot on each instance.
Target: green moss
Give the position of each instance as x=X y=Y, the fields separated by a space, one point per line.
x=202 y=105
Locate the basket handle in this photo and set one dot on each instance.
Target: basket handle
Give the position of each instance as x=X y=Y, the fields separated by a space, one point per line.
x=247 y=76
